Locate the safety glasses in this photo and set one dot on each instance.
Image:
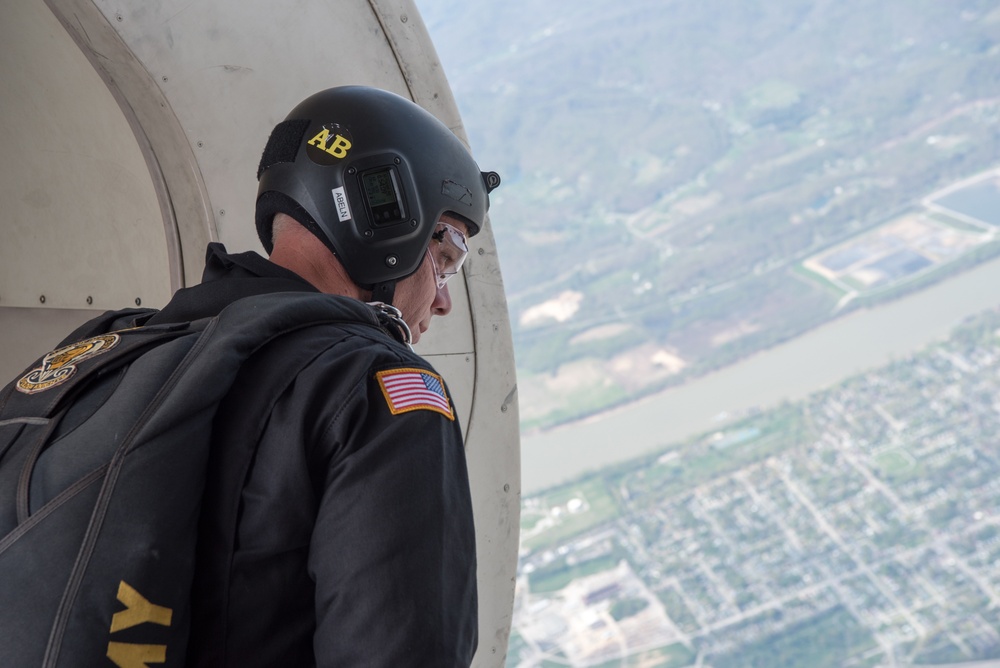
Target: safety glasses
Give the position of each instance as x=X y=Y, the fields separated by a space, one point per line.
x=448 y=250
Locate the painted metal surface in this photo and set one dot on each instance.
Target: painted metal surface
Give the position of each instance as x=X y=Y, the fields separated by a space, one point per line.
x=137 y=128
x=76 y=191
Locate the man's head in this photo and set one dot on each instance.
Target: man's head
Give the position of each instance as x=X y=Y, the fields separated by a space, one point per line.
x=419 y=296
x=371 y=175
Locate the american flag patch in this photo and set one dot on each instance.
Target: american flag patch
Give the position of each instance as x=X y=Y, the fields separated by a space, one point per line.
x=414 y=390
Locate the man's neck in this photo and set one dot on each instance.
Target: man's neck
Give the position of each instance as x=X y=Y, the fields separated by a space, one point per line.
x=299 y=251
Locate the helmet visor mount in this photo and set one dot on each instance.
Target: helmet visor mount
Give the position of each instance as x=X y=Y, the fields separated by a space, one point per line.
x=447 y=250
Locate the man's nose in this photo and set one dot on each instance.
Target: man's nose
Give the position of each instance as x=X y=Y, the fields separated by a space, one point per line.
x=442 y=301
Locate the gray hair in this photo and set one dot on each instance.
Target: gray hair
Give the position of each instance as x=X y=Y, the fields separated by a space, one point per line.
x=282 y=222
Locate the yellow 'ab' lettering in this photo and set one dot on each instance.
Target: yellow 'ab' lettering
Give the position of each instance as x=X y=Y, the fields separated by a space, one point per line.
x=130 y=655
x=138 y=611
x=338 y=148
x=319 y=141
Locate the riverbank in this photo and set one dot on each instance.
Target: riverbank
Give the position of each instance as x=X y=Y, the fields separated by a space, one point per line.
x=862 y=340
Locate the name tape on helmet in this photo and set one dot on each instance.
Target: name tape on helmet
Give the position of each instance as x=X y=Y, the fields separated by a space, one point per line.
x=340 y=202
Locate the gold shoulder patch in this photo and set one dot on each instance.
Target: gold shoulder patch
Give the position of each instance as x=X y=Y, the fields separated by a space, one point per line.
x=60 y=365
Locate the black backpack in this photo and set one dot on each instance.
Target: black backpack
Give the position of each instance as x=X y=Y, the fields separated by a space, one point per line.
x=103 y=450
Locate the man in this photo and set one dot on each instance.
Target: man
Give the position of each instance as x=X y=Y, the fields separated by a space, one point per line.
x=346 y=538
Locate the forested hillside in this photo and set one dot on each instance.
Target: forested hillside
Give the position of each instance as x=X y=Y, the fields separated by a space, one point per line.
x=669 y=164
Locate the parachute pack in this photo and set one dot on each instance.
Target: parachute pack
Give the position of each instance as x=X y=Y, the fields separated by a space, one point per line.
x=103 y=450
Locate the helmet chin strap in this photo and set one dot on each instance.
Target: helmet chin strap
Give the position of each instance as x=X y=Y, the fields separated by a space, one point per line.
x=380 y=301
x=383 y=292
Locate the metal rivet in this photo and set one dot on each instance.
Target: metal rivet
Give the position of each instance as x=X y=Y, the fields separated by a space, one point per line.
x=482 y=251
x=42 y=299
x=200 y=144
x=164 y=78
x=119 y=18
x=397 y=160
x=506 y=488
x=391 y=260
x=368 y=233
x=138 y=302
x=90 y=300
x=413 y=223
x=352 y=170
x=222 y=212
x=503 y=409
x=404 y=18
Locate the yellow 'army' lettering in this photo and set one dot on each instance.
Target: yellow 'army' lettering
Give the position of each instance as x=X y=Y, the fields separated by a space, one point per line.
x=338 y=148
x=131 y=655
x=138 y=610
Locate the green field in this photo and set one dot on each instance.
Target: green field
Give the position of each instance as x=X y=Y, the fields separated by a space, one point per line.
x=893 y=464
x=828 y=640
x=559 y=574
x=600 y=507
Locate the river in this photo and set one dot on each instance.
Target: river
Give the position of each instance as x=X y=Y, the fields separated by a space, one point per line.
x=842 y=348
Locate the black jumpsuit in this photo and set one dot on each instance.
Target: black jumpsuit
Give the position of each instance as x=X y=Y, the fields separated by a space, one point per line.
x=345 y=538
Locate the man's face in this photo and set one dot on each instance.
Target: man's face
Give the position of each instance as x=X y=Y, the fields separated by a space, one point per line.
x=418 y=296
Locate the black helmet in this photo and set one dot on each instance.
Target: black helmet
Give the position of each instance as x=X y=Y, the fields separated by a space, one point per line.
x=370 y=173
